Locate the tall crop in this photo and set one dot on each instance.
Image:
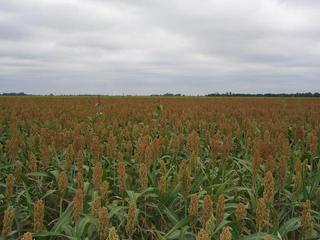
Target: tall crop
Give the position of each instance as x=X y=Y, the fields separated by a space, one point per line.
x=159 y=168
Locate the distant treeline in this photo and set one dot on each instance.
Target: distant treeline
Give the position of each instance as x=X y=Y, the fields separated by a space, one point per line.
x=167 y=95
x=14 y=94
x=227 y=94
x=307 y=94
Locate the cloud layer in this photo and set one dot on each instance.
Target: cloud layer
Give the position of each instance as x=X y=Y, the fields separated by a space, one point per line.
x=145 y=47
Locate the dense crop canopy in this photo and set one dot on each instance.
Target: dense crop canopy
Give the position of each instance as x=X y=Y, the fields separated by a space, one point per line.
x=159 y=168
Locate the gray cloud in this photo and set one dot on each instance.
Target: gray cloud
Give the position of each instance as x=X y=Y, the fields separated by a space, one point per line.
x=144 y=47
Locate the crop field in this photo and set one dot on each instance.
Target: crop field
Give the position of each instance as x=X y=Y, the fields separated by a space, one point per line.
x=159 y=168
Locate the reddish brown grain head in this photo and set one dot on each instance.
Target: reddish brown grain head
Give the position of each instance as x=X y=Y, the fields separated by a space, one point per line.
x=38 y=215
x=7 y=221
x=131 y=218
x=220 y=209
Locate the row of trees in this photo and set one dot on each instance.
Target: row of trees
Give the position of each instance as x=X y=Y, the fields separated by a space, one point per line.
x=306 y=94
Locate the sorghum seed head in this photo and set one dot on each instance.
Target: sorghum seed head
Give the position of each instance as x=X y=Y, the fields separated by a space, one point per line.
x=27 y=236
x=226 y=234
x=62 y=183
x=306 y=218
x=68 y=158
x=113 y=234
x=220 y=209
x=270 y=163
x=210 y=225
x=162 y=167
x=104 y=190
x=80 y=180
x=143 y=175
x=131 y=218
x=207 y=208
x=7 y=221
x=38 y=211
x=184 y=177
x=148 y=156
x=261 y=213
x=268 y=188
x=193 y=205
x=78 y=204
x=241 y=213
x=203 y=235
x=32 y=163
x=97 y=176
x=103 y=222
x=121 y=170
x=95 y=207
x=163 y=184
x=9 y=185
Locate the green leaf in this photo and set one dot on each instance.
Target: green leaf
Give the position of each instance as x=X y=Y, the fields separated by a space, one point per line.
x=63 y=220
x=37 y=174
x=82 y=224
x=175 y=230
x=258 y=236
x=289 y=226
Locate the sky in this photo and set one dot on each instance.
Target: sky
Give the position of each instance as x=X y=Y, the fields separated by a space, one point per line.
x=144 y=47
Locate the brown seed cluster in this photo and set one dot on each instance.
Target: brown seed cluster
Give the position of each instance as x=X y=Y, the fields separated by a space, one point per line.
x=203 y=235
x=207 y=208
x=7 y=221
x=193 y=205
x=27 y=236
x=104 y=189
x=131 y=218
x=163 y=184
x=78 y=204
x=113 y=234
x=121 y=170
x=9 y=185
x=62 y=183
x=38 y=211
x=184 y=177
x=80 y=180
x=220 y=209
x=32 y=163
x=241 y=214
x=306 y=218
x=267 y=237
x=261 y=213
x=226 y=234
x=97 y=176
x=143 y=175
x=68 y=158
x=103 y=222
x=268 y=191
x=95 y=206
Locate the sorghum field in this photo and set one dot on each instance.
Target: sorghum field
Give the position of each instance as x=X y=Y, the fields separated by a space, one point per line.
x=159 y=168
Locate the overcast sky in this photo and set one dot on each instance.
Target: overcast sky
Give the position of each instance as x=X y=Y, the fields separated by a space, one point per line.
x=157 y=46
